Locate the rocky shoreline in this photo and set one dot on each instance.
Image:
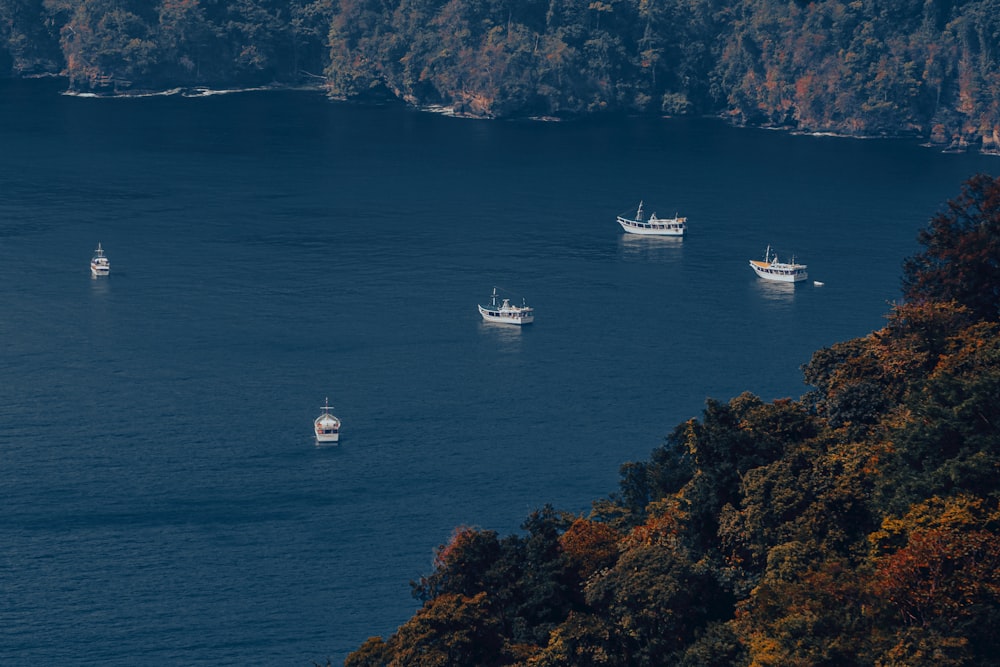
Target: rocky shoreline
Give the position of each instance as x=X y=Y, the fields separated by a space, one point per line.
x=989 y=144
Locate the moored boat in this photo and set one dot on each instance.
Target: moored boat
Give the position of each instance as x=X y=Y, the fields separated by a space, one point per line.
x=502 y=311
x=771 y=269
x=99 y=264
x=653 y=226
x=327 y=426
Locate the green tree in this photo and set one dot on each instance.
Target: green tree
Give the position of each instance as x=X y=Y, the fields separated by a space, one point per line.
x=451 y=630
x=184 y=37
x=658 y=598
x=27 y=37
x=952 y=443
x=582 y=640
x=961 y=257
x=813 y=615
x=109 y=43
x=462 y=566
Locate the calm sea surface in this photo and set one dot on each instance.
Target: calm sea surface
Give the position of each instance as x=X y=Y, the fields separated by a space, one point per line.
x=161 y=498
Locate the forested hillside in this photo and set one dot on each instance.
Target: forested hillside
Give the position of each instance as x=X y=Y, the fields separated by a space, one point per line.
x=132 y=45
x=858 y=525
x=861 y=67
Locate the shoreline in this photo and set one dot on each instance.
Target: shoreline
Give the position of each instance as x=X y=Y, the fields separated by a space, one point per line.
x=451 y=111
x=194 y=91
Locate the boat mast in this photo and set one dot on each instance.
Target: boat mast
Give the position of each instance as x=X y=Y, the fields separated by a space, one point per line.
x=638 y=214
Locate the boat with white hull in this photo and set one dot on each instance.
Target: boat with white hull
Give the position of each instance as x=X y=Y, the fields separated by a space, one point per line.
x=326 y=426
x=771 y=269
x=503 y=312
x=99 y=264
x=653 y=226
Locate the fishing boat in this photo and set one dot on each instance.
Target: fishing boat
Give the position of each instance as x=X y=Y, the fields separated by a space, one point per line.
x=327 y=426
x=99 y=264
x=771 y=269
x=654 y=226
x=502 y=311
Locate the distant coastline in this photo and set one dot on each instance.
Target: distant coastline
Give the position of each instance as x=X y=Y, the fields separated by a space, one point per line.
x=832 y=69
x=837 y=69
x=456 y=112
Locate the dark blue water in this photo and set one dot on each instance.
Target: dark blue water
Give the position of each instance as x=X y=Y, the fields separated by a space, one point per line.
x=162 y=499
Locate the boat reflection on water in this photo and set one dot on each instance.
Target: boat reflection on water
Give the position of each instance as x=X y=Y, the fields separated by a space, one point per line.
x=505 y=337
x=99 y=285
x=660 y=249
x=777 y=292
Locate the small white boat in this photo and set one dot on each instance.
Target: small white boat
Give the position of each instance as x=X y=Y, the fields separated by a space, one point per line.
x=502 y=311
x=99 y=264
x=327 y=426
x=654 y=226
x=771 y=269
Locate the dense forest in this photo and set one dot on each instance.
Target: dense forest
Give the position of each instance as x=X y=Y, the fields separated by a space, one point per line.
x=928 y=68
x=858 y=525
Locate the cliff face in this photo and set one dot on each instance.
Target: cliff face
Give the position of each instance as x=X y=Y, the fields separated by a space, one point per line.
x=859 y=67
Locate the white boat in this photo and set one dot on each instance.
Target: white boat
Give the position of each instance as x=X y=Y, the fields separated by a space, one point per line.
x=327 y=426
x=99 y=264
x=771 y=269
x=654 y=226
x=502 y=311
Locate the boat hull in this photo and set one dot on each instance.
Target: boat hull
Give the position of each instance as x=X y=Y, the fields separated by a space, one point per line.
x=657 y=228
x=327 y=437
x=99 y=270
